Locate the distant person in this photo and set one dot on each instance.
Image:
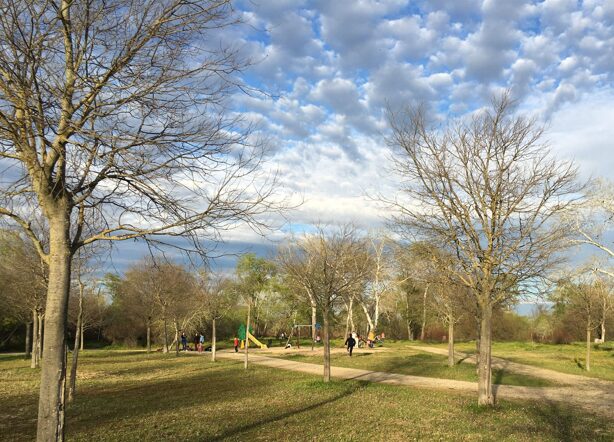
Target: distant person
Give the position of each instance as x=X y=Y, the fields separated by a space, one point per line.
x=184 y=341
x=196 y=341
x=350 y=342
x=236 y=344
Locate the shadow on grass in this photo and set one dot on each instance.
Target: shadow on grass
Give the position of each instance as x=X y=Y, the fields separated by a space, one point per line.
x=348 y=391
x=13 y=357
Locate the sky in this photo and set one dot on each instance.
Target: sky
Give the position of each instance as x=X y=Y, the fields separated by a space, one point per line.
x=327 y=71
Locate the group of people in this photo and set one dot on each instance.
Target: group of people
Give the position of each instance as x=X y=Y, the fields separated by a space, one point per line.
x=199 y=341
x=355 y=339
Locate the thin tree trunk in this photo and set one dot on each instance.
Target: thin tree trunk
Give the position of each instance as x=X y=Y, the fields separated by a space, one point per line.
x=450 y=342
x=35 y=341
x=50 y=426
x=40 y=337
x=485 y=396
x=166 y=349
x=313 y=321
x=148 y=335
x=82 y=344
x=422 y=332
x=410 y=334
x=72 y=383
x=347 y=321
x=588 y=348
x=28 y=331
x=213 y=340
x=326 y=332
x=176 y=336
x=603 y=316
x=249 y=311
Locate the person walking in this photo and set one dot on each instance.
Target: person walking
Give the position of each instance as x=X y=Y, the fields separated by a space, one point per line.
x=201 y=343
x=184 y=341
x=236 y=343
x=350 y=342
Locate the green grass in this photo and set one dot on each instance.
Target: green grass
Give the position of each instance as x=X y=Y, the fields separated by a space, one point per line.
x=133 y=396
x=566 y=358
x=414 y=362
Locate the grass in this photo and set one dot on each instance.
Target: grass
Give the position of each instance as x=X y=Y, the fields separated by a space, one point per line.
x=566 y=358
x=414 y=362
x=134 y=396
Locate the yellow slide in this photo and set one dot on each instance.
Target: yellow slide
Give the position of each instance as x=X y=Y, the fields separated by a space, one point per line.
x=256 y=341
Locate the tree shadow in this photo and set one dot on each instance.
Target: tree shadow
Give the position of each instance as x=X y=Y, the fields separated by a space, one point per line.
x=351 y=389
x=578 y=363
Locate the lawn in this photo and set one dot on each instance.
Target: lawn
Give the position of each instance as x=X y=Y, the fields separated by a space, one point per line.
x=397 y=359
x=134 y=396
x=566 y=358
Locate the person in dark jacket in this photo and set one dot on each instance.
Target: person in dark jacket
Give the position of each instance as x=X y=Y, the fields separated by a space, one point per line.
x=184 y=341
x=350 y=342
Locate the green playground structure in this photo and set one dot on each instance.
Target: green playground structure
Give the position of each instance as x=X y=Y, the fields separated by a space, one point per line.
x=241 y=333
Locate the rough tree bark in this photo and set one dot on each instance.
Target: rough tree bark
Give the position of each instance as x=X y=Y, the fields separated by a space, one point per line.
x=72 y=383
x=53 y=373
x=485 y=396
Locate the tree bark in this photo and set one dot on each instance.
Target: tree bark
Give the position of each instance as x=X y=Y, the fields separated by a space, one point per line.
x=326 y=333
x=313 y=320
x=28 y=331
x=422 y=332
x=148 y=335
x=450 y=342
x=249 y=311
x=176 y=336
x=347 y=321
x=40 y=337
x=35 y=341
x=72 y=383
x=165 y=335
x=588 y=347
x=485 y=396
x=82 y=343
x=50 y=425
x=213 y=340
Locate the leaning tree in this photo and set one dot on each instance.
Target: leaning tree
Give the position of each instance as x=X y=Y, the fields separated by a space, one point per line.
x=487 y=190
x=113 y=126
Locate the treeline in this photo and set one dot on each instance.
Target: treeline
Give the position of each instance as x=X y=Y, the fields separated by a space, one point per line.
x=397 y=291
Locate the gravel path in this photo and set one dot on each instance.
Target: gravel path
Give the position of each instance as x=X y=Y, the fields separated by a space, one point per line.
x=593 y=395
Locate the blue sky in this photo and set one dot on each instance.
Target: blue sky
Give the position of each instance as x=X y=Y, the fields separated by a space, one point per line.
x=330 y=68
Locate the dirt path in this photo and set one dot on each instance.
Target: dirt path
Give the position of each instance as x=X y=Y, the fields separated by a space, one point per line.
x=529 y=370
x=595 y=398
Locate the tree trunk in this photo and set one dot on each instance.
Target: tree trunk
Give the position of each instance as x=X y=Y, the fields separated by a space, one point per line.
x=326 y=333
x=604 y=312
x=82 y=343
x=422 y=332
x=410 y=333
x=213 y=340
x=148 y=335
x=249 y=311
x=28 y=331
x=41 y=322
x=347 y=320
x=588 y=347
x=450 y=342
x=176 y=336
x=50 y=425
x=72 y=383
x=485 y=396
x=35 y=342
x=165 y=350
x=313 y=321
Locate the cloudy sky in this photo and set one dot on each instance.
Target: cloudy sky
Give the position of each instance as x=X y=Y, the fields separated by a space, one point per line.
x=330 y=68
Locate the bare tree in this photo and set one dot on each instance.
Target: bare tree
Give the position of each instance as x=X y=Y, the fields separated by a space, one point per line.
x=489 y=193
x=218 y=297
x=112 y=114
x=329 y=268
